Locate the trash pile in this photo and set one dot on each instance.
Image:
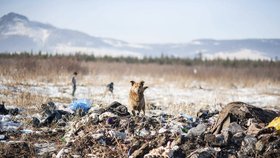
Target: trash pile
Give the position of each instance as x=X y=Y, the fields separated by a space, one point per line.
x=4 y=111
x=49 y=115
x=239 y=130
x=6 y=123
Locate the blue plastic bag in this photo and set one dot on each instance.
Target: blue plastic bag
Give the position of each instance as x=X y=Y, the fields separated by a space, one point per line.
x=188 y=117
x=84 y=104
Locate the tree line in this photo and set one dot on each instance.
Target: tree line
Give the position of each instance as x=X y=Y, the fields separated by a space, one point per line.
x=162 y=60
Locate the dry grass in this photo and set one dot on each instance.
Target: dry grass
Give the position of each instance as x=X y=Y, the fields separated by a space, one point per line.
x=25 y=100
x=57 y=70
x=28 y=71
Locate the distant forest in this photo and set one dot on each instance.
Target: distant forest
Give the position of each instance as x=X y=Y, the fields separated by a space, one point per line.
x=162 y=60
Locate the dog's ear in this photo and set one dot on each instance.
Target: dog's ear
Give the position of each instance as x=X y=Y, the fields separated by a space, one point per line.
x=132 y=83
x=145 y=88
x=142 y=83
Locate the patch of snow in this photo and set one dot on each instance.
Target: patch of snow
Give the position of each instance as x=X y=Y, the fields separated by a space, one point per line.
x=16 y=19
x=168 y=96
x=38 y=35
x=241 y=54
x=195 y=42
x=96 y=51
x=138 y=46
x=45 y=35
x=116 y=43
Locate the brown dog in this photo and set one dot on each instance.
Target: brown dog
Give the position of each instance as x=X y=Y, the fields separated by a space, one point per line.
x=136 y=98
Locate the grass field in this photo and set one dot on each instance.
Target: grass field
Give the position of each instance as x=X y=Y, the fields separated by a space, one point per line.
x=30 y=81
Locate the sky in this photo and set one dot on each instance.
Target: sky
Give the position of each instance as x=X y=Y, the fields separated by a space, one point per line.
x=156 y=21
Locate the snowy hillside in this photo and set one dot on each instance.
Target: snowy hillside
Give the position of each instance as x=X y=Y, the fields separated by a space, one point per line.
x=18 y=33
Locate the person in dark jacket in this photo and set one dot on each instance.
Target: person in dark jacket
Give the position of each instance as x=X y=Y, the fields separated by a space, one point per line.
x=74 y=83
x=109 y=88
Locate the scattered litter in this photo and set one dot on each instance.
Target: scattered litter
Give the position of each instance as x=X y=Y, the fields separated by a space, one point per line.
x=26 y=131
x=2 y=137
x=239 y=130
x=4 y=111
x=16 y=149
x=45 y=149
x=9 y=126
x=196 y=131
x=50 y=115
x=275 y=123
x=240 y=112
x=84 y=104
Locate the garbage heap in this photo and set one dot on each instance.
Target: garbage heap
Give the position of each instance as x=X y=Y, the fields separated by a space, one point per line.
x=239 y=130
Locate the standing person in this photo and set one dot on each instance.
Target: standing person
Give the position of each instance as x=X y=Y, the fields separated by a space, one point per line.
x=74 y=83
x=109 y=88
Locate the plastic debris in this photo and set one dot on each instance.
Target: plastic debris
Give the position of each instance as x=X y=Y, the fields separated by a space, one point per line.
x=197 y=131
x=106 y=115
x=233 y=128
x=4 y=111
x=84 y=104
x=187 y=117
x=118 y=135
x=248 y=146
x=275 y=123
x=2 y=137
x=143 y=132
x=241 y=112
x=110 y=131
x=167 y=151
x=118 y=109
x=205 y=152
x=26 y=131
x=10 y=126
